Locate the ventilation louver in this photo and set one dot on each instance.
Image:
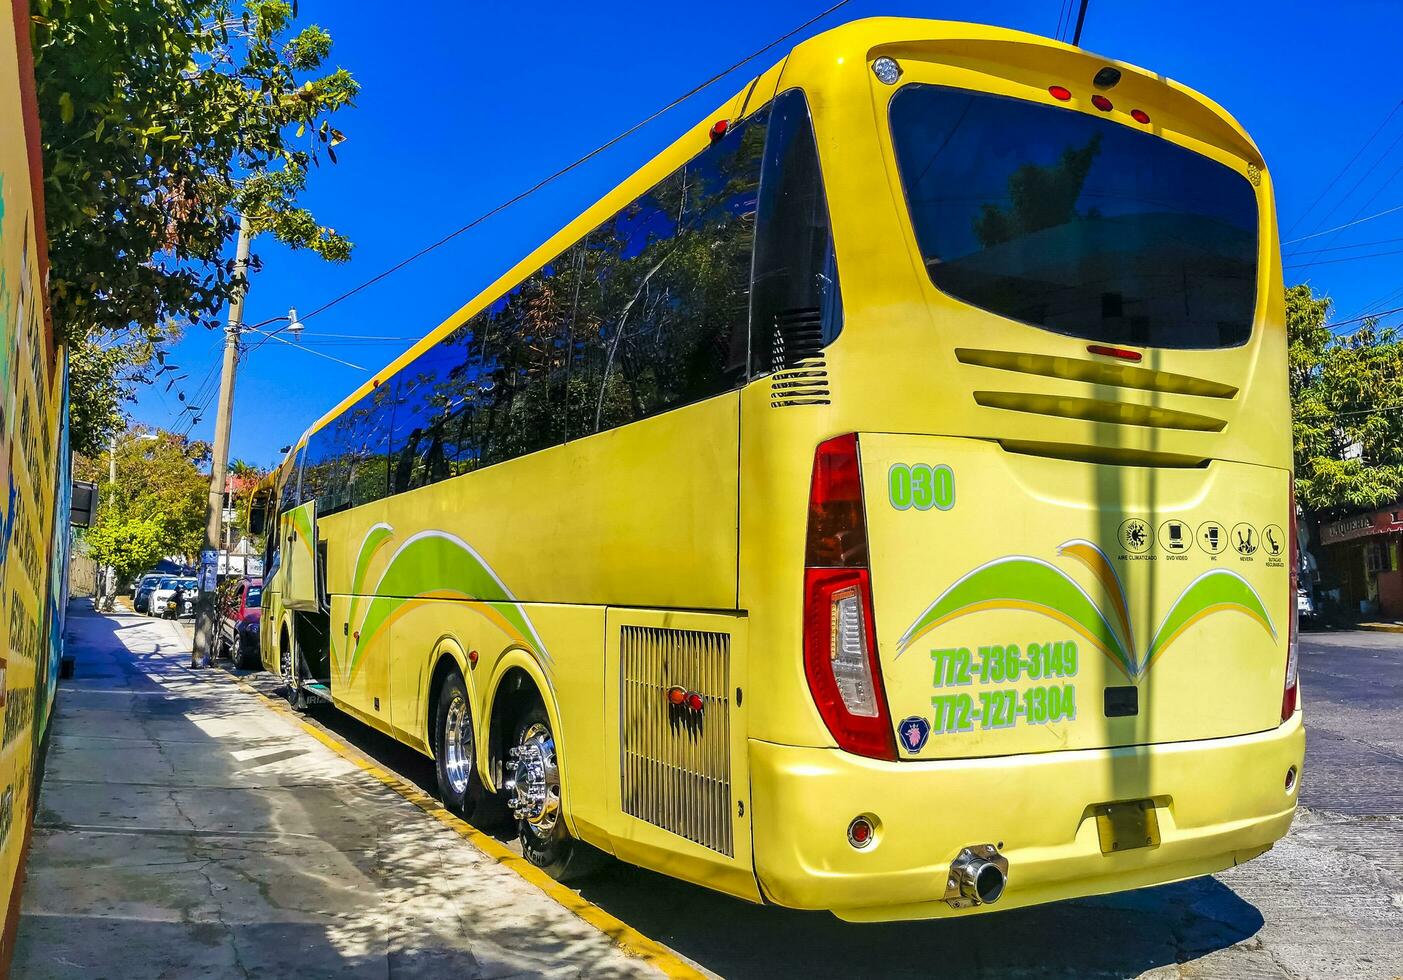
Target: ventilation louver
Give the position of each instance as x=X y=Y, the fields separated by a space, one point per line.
x=800 y=374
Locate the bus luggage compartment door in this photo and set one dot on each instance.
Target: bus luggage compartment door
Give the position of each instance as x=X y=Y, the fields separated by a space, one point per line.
x=676 y=696
x=1033 y=604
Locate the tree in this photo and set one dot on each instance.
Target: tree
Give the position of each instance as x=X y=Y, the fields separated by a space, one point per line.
x=163 y=120
x=1346 y=408
x=160 y=479
x=127 y=543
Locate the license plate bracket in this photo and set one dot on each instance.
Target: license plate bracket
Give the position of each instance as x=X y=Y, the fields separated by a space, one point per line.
x=1126 y=825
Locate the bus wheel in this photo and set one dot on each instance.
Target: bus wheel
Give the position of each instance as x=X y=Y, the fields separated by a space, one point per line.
x=292 y=684
x=455 y=754
x=533 y=787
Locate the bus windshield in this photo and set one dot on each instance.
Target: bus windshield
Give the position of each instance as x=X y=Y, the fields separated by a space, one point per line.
x=1076 y=224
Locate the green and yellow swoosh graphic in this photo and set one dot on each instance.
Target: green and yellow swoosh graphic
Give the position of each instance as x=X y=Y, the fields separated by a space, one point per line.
x=1021 y=582
x=1027 y=583
x=433 y=565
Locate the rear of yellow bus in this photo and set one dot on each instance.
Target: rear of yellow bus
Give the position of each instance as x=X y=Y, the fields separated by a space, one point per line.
x=1044 y=582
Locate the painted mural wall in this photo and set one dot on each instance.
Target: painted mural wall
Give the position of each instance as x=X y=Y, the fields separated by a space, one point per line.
x=34 y=470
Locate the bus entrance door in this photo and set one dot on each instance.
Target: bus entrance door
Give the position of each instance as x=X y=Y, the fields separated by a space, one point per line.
x=299 y=530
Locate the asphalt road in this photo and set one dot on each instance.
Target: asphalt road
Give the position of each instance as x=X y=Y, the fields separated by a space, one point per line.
x=1326 y=902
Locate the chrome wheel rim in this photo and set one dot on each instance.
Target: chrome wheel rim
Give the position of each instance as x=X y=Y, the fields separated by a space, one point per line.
x=457 y=746
x=536 y=781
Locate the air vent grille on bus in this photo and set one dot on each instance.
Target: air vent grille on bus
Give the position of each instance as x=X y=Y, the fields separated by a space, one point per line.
x=677 y=760
x=796 y=357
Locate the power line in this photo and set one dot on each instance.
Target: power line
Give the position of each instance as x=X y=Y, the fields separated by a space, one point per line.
x=1341 y=248
x=584 y=159
x=1350 y=224
x=1366 y=316
x=1348 y=258
x=1345 y=169
x=1350 y=193
x=1063 y=11
x=309 y=350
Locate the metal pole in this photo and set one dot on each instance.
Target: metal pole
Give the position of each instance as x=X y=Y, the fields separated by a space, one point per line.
x=1081 y=19
x=112 y=472
x=203 y=648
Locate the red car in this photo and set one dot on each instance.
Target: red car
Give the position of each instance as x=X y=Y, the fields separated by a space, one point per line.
x=239 y=620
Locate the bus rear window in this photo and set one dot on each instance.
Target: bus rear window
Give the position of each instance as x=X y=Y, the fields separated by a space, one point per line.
x=1074 y=223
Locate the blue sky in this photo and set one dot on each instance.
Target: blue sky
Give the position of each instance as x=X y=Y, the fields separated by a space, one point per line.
x=465 y=105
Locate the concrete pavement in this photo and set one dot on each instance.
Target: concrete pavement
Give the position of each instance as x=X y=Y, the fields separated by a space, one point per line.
x=187 y=830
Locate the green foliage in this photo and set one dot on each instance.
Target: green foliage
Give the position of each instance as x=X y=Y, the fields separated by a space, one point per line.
x=160 y=478
x=128 y=543
x=1039 y=197
x=162 y=121
x=1346 y=407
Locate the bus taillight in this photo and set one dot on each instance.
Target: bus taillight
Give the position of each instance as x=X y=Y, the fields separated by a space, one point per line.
x=840 y=638
x=1293 y=639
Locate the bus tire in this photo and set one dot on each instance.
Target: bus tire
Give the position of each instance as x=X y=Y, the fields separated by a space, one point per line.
x=455 y=749
x=287 y=667
x=534 y=793
x=250 y=658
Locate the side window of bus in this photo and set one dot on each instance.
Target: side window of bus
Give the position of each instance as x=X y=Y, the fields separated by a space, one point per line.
x=289 y=497
x=347 y=459
x=796 y=309
x=662 y=315
x=436 y=394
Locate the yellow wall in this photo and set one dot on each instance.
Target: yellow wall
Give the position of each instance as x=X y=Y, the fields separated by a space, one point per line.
x=33 y=471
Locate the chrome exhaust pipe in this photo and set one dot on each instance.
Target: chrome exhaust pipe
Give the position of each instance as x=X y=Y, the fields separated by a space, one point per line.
x=978 y=876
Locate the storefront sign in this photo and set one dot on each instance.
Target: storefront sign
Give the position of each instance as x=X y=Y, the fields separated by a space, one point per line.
x=1362 y=525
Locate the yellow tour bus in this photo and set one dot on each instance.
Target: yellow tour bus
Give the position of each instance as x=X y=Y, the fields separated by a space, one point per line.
x=880 y=502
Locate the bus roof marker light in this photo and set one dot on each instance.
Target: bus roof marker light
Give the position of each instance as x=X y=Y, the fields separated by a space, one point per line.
x=1107 y=77
x=1102 y=103
x=886 y=69
x=1140 y=116
x=719 y=129
x=1122 y=353
x=1060 y=93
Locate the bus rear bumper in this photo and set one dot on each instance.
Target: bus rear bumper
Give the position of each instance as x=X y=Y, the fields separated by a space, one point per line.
x=1218 y=802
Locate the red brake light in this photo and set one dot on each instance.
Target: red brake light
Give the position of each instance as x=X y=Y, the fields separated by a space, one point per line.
x=1059 y=93
x=837 y=532
x=1124 y=353
x=1140 y=116
x=1292 y=684
x=676 y=695
x=1102 y=103
x=840 y=637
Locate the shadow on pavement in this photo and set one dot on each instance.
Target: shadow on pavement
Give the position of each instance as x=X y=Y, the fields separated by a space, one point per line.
x=185 y=830
x=1111 y=936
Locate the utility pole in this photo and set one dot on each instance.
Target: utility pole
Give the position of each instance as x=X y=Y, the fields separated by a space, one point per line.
x=112 y=472
x=203 y=649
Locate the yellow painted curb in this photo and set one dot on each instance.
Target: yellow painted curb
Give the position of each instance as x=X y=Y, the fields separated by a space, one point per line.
x=625 y=936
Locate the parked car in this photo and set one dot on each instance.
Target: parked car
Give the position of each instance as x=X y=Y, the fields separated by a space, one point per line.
x=1305 y=605
x=239 y=620
x=141 y=595
x=166 y=589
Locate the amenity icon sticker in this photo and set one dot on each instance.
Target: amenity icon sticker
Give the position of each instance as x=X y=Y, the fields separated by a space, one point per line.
x=1136 y=536
x=1212 y=538
x=1175 y=537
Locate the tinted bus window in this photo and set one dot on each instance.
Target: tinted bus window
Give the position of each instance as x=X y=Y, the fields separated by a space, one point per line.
x=796 y=307
x=1074 y=223
x=663 y=315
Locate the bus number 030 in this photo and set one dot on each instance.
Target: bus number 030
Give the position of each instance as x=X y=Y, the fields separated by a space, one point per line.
x=921 y=486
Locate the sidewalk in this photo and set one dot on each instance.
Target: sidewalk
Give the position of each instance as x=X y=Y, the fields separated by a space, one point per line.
x=186 y=829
